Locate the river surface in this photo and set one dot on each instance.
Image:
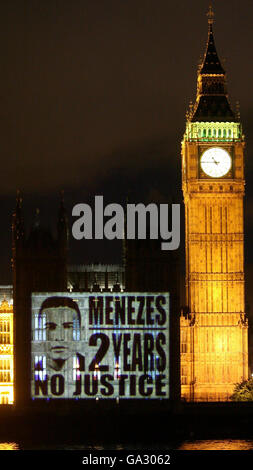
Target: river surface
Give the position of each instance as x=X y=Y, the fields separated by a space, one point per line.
x=225 y=444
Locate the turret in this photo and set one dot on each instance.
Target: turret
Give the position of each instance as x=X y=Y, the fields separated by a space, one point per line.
x=212 y=102
x=18 y=232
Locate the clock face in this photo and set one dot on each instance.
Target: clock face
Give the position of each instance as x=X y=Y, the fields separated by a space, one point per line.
x=215 y=162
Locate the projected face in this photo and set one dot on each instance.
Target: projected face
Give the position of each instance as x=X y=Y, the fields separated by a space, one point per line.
x=60 y=325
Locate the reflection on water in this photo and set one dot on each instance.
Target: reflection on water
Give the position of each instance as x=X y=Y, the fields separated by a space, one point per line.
x=226 y=444
x=9 y=446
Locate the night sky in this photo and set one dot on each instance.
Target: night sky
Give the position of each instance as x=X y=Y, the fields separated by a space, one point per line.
x=93 y=99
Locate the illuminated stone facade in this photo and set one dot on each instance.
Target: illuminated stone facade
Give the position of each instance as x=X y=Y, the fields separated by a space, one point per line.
x=214 y=330
x=6 y=353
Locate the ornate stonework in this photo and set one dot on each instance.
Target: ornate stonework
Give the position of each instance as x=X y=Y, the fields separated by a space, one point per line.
x=214 y=329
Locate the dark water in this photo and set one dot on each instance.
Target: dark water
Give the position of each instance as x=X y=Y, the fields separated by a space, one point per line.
x=225 y=444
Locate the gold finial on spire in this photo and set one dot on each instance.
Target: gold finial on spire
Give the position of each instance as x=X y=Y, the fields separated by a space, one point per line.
x=210 y=14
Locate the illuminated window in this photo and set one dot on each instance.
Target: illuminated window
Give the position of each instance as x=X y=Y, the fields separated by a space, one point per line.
x=40 y=327
x=76 y=329
x=4 y=398
x=76 y=369
x=117 y=368
x=183 y=375
x=40 y=367
x=97 y=372
x=183 y=341
x=78 y=366
x=5 y=370
x=6 y=358
x=4 y=332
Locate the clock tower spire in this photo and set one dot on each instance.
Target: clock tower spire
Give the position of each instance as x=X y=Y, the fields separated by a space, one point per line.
x=212 y=102
x=214 y=348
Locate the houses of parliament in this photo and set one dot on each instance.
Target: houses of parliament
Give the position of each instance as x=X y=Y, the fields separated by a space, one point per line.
x=210 y=329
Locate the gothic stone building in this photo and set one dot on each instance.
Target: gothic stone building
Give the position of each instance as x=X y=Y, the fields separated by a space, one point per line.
x=214 y=341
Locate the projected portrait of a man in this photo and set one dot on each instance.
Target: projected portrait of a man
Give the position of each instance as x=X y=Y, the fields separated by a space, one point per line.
x=62 y=324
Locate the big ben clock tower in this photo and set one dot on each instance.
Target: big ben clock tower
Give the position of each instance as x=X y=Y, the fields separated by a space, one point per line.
x=214 y=331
